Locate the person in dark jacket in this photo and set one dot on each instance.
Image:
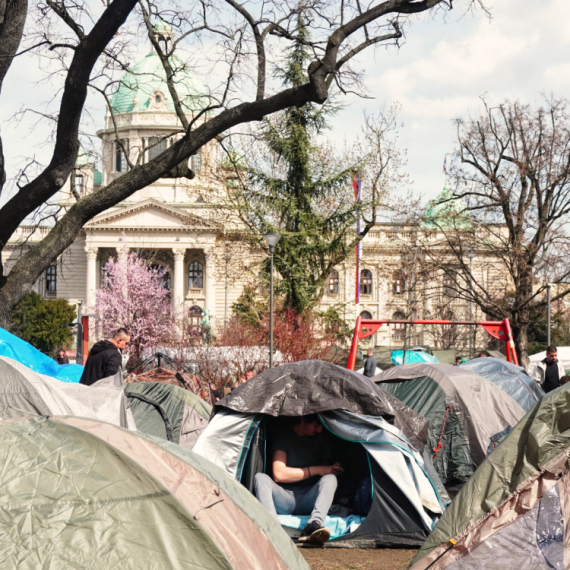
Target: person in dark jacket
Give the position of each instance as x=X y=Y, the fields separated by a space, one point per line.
x=61 y=358
x=105 y=358
x=370 y=364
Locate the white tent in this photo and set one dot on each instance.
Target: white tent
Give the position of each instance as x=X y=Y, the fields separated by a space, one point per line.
x=563 y=356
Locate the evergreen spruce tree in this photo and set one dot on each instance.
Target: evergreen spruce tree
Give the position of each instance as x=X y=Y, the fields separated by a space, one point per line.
x=298 y=196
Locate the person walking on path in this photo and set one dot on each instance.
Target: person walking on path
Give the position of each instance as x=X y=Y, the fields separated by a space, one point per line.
x=105 y=358
x=370 y=364
x=549 y=373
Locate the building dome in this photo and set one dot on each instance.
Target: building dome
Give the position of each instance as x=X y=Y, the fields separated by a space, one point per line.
x=144 y=88
x=446 y=212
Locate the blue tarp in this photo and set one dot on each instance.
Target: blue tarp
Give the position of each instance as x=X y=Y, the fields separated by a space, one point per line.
x=412 y=357
x=23 y=352
x=509 y=377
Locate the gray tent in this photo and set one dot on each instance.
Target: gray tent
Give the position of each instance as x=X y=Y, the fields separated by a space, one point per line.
x=468 y=414
x=372 y=433
x=24 y=392
x=168 y=411
x=509 y=377
x=83 y=494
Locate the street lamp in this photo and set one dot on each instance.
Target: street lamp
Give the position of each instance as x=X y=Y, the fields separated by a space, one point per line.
x=271 y=240
x=548 y=286
x=471 y=254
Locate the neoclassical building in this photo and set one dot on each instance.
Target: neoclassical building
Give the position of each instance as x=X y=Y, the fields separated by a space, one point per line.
x=182 y=225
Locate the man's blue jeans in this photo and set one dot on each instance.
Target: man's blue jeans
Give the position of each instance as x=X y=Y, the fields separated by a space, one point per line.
x=287 y=499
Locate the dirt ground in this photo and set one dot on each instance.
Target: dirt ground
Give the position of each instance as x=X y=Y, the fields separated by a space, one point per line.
x=353 y=559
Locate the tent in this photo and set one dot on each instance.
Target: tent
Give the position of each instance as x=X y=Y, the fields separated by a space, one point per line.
x=168 y=411
x=509 y=377
x=22 y=351
x=378 y=439
x=83 y=494
x=468 y=414
x=563 y=356
x=24 y=392
x=515 y=510
x=412 y=357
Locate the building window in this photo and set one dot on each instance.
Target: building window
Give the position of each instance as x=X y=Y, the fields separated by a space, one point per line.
x=333 y=283
x=366 y=282
x=51 y=279
x=195 y=275
x=196 y=163
x=398 y=329
x=449 y=284
x=195 y=315
x=164 y=275
x=398 y=283
x=156 y=146
x=366 y=315
x=120 y=157
x=447 y=336
x=79 y=184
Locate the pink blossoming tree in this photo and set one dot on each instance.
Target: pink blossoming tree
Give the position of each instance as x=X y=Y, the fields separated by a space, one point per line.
x=133 y=295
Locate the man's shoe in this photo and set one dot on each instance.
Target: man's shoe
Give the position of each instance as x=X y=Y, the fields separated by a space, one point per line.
x=314 y=532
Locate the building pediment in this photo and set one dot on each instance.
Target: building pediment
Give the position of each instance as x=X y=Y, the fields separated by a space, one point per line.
x=151 y=215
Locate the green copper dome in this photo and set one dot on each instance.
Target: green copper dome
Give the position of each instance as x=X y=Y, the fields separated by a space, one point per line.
x=144 y=88
x=446 y=212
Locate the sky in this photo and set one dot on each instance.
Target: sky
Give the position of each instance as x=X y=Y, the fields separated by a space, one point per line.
x=442 y=69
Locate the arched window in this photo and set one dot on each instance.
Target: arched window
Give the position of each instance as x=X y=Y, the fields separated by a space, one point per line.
x=120 y=157
x=333 y=283
x=366 y=282
x=194 y=319
x=448 y=334
x=195 y=275
x=366 y=315
x=398 y=283
x=398 y=329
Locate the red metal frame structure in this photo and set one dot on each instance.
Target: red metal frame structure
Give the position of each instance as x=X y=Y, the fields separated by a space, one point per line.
x=497 y=329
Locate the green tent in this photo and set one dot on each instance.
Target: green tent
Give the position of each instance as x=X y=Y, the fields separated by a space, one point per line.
x=468 y=414
x=515 y=510
x=79 y=494
x=168 y=411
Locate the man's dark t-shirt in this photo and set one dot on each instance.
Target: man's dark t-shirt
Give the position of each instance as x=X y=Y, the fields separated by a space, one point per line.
x=303 y=451
x=370 y=366
x=551 y=377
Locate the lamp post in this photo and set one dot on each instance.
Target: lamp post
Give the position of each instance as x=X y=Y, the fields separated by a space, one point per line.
x=548 y=286
x=227 y=259
x=271 y=240
x=471 y=255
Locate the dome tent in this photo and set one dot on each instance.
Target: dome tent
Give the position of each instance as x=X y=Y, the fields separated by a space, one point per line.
x=468 y=414
x=168 y=411
x=515 y=510
x=83 y=494
x=379 y=440
x=24 y=392
x=509 y=377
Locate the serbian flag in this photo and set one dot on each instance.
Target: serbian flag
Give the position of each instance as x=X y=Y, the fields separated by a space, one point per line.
x=357 y=197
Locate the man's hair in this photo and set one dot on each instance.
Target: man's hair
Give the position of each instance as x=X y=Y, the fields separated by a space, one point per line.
x=121 y=333
x=370 y=351
x=550 y=349
x=484 y=353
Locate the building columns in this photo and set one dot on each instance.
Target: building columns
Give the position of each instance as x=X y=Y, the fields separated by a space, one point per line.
x=91 y=276
x=178 y=279
x=210 y=257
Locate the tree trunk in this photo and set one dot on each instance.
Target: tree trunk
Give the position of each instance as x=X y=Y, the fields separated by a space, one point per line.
x=520 y=338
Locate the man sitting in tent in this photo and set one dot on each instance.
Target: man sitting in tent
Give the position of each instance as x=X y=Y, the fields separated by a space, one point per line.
x=304 y=477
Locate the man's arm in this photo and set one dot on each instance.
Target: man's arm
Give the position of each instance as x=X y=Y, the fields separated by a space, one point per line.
x=284 y=474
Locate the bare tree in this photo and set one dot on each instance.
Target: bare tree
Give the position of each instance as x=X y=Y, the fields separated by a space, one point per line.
x=91 y=44
x=512 y=175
